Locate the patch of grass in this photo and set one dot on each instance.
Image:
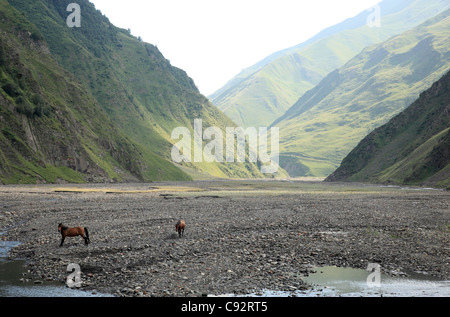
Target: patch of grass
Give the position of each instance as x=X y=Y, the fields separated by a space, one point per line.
x=174 y=189
x=370 y=231
x=29 y=173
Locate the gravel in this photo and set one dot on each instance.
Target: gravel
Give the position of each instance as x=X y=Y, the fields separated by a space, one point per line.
x=241 y=237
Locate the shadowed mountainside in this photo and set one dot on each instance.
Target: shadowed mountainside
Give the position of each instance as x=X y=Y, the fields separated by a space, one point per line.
x=413 y=148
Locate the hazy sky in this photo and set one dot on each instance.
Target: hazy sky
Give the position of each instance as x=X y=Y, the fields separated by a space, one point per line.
x=213 y=40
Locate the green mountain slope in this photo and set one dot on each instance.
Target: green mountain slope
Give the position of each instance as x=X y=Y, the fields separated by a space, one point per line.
x=328 y=121
x=263 y=92
x=51 y=128
x=413 y=148
x=141 y=92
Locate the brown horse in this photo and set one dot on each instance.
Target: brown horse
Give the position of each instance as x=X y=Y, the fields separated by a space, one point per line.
x=73 y=232
x=179 y=227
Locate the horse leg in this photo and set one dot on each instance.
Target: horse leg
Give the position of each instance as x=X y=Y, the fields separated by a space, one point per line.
x=84 y=238
x=87 y=240
x=62 y=241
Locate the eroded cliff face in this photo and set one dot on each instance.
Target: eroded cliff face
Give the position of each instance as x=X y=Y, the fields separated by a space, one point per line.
x=51 y=129
x=32 y=146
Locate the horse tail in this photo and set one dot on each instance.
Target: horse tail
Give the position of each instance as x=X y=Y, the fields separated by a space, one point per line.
x=87 y=235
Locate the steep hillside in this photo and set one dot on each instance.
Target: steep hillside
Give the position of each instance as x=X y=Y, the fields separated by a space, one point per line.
x=51 y=128
x=413 y=148
x=263 y=92
x=328 y=121
x=136 y=86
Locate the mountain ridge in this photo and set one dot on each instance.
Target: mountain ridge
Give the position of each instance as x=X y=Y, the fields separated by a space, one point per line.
x=50 y=125
x=413 y=148
x=263 y=92
x=121 y=83
x=330 y=119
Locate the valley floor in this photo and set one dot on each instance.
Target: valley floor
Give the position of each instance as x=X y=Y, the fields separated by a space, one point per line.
x=241 y=236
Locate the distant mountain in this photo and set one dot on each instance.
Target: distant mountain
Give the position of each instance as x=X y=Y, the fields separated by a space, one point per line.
x=51 y=128
x=263 y=92
x=413 y=148
x=130 y=83
x=328 y=121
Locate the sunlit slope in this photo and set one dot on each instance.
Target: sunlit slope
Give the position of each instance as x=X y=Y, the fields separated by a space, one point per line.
x=132 y=81
x=52 y=129
x=329 y=120
x=263 y=92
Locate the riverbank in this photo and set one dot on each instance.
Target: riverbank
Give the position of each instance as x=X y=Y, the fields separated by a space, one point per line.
x=241 y=237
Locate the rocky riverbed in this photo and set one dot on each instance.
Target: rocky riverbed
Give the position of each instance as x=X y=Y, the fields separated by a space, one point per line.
x=241 y=237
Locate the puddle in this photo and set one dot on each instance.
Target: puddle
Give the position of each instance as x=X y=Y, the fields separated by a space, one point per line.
x=338 y=281
x=411 y=188
x=348 y=282
x=15 y=281
x=5 y=246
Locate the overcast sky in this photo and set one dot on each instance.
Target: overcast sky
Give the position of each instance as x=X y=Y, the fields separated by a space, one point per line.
x=213 y=40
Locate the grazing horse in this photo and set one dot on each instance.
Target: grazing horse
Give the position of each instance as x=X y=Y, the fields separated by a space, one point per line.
x=179 y=227
x=73 y=232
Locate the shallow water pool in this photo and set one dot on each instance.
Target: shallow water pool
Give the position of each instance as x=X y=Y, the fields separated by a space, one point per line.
x=16 y=282
x=333 y=281
x=338 y=281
